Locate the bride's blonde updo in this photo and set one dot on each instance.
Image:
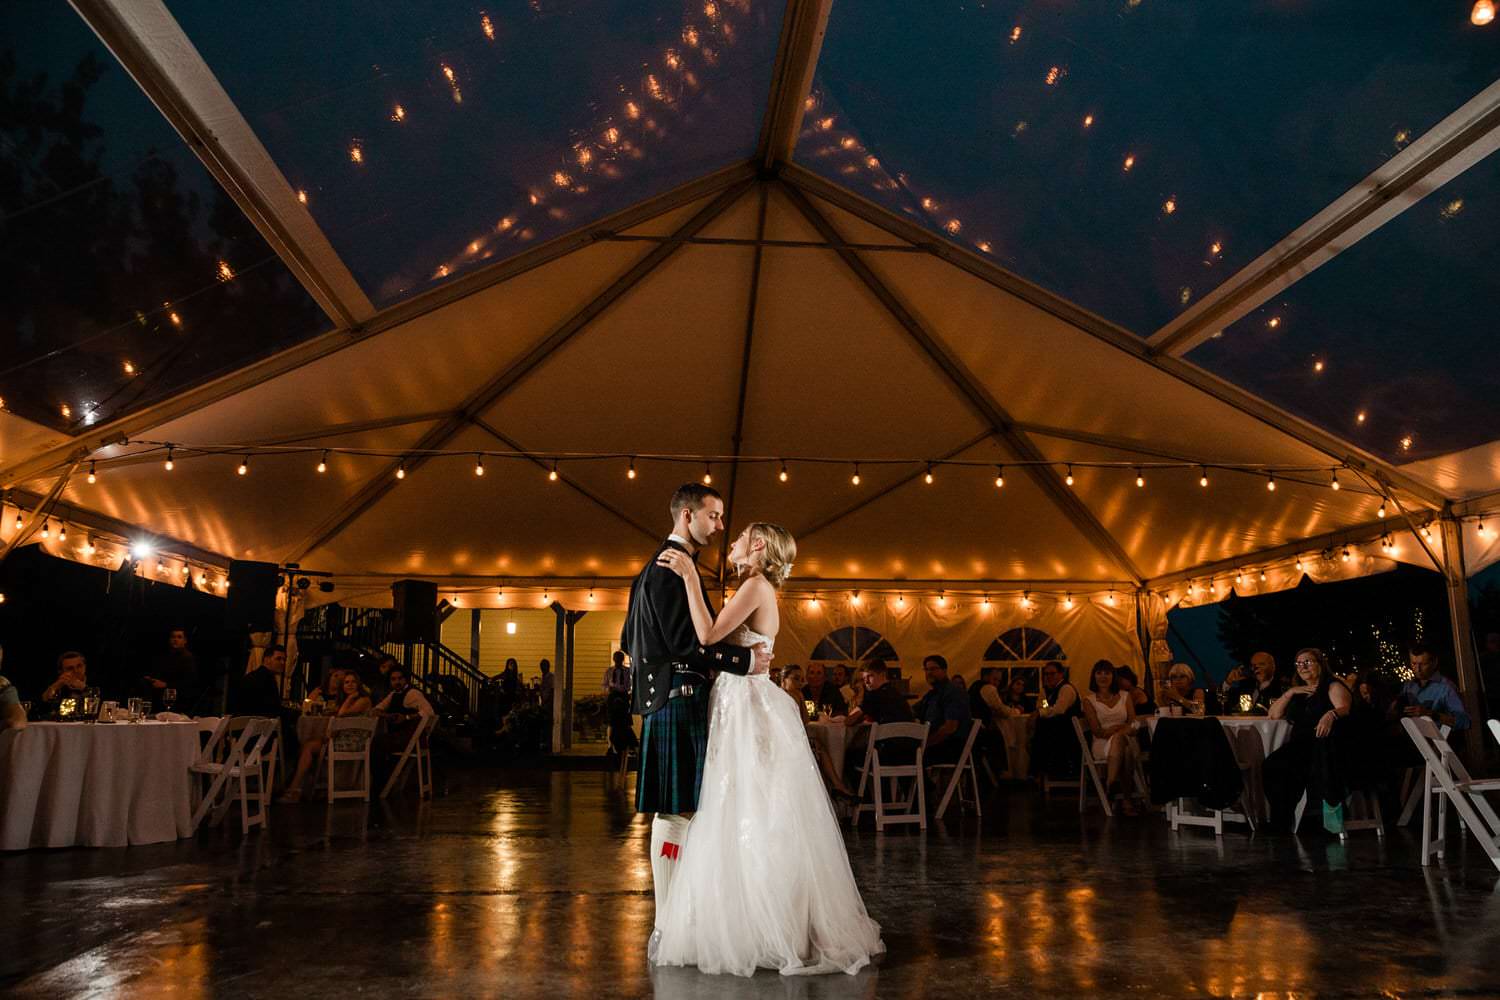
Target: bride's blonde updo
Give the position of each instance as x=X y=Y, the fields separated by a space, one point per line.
x=779 y=553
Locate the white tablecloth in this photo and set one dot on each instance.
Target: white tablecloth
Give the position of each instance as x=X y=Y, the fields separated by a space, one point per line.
x=1017 y=729
x=96 y=785
x=834 y=737
x=1255 y=738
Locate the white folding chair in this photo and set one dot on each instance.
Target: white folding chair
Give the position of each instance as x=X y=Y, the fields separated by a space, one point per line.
x=1179 y=814
x=1092 y=766
x=1453 y=783
x=243 y=765
x=207 y=781
x=963 y=766
x=355 y=749
x=1412 y=786
x=417 y=748
x=881 y=772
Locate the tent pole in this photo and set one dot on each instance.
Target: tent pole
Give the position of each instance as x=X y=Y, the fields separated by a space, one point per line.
x=1465 y=654
x=802 y=30
x=559 y=655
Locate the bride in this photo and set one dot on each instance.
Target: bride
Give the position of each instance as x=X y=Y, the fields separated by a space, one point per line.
x=763 y=880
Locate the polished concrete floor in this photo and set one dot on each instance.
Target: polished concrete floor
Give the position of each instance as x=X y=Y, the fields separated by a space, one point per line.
x=533 y=884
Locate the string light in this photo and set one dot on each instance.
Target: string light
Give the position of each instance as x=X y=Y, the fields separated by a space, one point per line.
x=1426 y=533
x=812 y=601
x=92 y=477
x=1239 y=578
x=1299 y=564
x=708 y=474
x=986 y=601
x=855 y=478
x=1140 y=480
x=169 y=465
x=552 y=476
x=1271 y=482
x=1481 y=523
x=62 y=533
x=1203 y=477
x=323 y=463
x=1262 y=576
x=479 y=465
x=1380 y=511
x=1110 y=599
x=89 y=546
x=942 y=599
x=244 y=465
x=1346 y=554
x=630 y=470
x=901 y=598
x=1334 y=484
x=1483 y=13
x=999 y=477
x=854 y=598
x=21 y=521
x=401 y=470
x=1026 y=599
x=46 y=529
x=928 y=477
x=1067 y=600
x=1069 y=477
x=202 y=580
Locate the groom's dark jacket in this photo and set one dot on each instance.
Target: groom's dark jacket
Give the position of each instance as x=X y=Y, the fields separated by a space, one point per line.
x=660 y=639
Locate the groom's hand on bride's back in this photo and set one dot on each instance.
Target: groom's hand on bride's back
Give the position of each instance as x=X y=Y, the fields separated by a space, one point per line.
x=762 y=659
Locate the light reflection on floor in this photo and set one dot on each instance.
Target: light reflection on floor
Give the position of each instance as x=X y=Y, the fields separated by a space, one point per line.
x=538 y=885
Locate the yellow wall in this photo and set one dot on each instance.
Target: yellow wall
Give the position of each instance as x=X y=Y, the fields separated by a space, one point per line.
x=595 y=637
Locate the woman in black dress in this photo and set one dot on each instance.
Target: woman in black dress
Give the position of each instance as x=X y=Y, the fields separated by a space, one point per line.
x=1054 y=750
x=1312 y=760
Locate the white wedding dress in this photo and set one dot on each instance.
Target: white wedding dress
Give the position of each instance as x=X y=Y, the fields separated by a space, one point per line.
x=763 y=880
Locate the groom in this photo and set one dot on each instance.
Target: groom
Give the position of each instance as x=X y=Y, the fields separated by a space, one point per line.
x=672 y=679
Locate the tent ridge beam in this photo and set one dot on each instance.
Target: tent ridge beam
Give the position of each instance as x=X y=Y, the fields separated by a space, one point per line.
x=110 y=525
x=588 y=495
x=486 y=396
x=738 y=438
x=803 y=26
x=156 y=52
x=994 y=415
x=1447 y=149
x=1267 y=413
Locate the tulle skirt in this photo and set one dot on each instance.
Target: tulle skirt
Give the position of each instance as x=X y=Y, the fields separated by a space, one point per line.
x=763 y=880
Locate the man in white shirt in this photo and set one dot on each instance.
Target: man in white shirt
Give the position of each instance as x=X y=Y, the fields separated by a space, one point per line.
x=404 y=700
x=403 y=710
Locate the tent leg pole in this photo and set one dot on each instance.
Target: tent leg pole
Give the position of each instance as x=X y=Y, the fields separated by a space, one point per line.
x=1465 y=655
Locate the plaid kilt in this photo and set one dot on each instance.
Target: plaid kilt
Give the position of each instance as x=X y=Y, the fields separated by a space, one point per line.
x=674 y=742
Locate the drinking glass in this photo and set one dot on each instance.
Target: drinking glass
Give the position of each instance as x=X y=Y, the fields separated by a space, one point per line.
x=108 y=711
x=137 y=709
x=90 y=704
x=811 y=708
x=168 y=697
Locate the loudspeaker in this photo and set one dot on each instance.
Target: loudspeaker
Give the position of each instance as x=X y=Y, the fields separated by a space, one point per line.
x=251 y=601
x=415 y=602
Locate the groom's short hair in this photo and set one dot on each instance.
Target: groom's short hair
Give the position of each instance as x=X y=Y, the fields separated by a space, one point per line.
x=691 y=496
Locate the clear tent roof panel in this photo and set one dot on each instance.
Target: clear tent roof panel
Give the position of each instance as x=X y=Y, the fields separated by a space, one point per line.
x=131 y=274
x=1391 y=343
x=429 y=139
x=1129 y=155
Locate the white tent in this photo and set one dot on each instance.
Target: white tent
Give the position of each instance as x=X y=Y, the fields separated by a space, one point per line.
x=755 y=320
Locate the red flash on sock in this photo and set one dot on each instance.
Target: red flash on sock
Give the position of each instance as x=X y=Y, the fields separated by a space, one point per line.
x=671 y=851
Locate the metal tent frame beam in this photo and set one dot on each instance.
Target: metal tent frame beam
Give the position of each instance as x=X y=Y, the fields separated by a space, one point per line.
x=1336 y=448
x=975 y=394
x=494 y=390
x=1446 y=150
x=802 y=30
x=156 y=52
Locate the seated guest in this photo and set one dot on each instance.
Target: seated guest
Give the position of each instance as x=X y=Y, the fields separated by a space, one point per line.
x=403 y=709
x=822 y=692
x=72 y=680
x=1431 y=694
x=984 y=705
x=856 y=688
x=1310 y=761
x=883 y=703
x=356 y=701
x=1126 y=681
x=839 y=674
x=1015 y=702
x=1260 y=682
x=331 y=694
x=946 y=711
x=259 y=691
x=959 y=682
x=12 y=715
x=1054 y=750
x=1111 y=720
x=791 y=682
x=775 y=674
x=175 y=670
x=1180 y=691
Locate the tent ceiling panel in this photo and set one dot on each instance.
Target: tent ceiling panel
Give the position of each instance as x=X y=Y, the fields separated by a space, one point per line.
x=433 y=138
x=961 y=527
x=430 y=363
x=1173 y=523
x=1467 y=473
x=737 y=223
x=1391 y=343
x=512 y=524
x=1013 y=348
x=203 y=501
x=1130 y=160
x=669 y=222
x=133 y=275
x=19 y=437
x=784 y=222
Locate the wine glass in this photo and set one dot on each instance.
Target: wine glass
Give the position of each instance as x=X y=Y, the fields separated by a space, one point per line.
x=168 y=697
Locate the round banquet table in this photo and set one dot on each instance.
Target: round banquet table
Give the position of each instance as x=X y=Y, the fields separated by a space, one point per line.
x=833 y=736
x=66 y=784
x=1016 y=730
x=1255 y=738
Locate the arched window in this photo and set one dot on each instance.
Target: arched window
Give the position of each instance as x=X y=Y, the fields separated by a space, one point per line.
x=853 y=644
x=1021 y=652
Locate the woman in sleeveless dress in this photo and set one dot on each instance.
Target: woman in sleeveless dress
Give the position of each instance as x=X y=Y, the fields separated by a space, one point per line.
x=1111 y=721
x=740 y=901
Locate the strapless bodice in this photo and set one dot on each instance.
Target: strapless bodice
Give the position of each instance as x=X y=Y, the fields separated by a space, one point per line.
x=749 y=638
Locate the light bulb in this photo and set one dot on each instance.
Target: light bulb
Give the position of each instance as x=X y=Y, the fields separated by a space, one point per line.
x=1381 y=511
x=999 y=477
x=1334 y=484
x=1203 y=478
x=187 y=571
x=1483 y=12
x=928 y=477
x=92 y=478
x=812 y=602
x=510 y=628
x=591 y=596
x=169 y=465
x=90 y=547
x=202 y=579
x=854 y=598
x=1481 y=523
x=942 y=599
x=783 y=474
x=478 y=465
x=1299 y=564
x=986 y=600
x=1069 y=477
x=552 y=476
x=323 y=462
x=855 y=478
x=401 y=471
x=1110 y=599
x=1346 y=554
x=1025 y=599
x=1067 y=600
x=1140 y=480
x=630 y=471
x=708 y=476
x=244 y=466
x=1426 y=533
x=900 y=600
x=62 y=533
x=1271 y=483
x=1262 y=576
x=46 y=529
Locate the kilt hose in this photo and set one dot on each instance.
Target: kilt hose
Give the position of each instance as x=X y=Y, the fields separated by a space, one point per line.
x=674 y=743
